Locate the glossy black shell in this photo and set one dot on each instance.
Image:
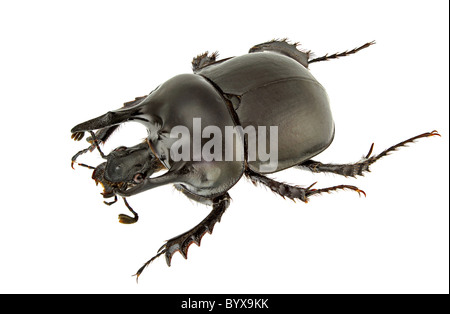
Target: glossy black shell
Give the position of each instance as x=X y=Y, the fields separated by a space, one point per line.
x=260 y=89
x=276 y=90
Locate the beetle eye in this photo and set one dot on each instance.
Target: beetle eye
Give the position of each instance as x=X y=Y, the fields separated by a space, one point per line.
x=138 y=178
x=120 y=148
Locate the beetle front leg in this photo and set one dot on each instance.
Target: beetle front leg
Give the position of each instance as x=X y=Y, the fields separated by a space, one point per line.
x=358 y=168
x=182 y=242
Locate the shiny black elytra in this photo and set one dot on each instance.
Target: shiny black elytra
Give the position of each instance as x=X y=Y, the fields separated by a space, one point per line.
x=269 y=86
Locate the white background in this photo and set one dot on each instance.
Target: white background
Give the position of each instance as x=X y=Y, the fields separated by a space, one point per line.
x=63 y=62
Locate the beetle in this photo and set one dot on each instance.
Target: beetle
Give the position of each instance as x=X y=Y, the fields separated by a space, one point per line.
x=271 y=86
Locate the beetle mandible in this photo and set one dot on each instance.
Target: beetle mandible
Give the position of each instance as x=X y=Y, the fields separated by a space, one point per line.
x=271 y=86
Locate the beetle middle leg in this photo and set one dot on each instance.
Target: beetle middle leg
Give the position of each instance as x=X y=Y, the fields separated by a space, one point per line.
x=284 y=47
x=295 y=192
x=358 y=168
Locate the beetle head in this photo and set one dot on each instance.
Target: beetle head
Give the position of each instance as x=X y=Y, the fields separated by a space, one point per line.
x=126 y=167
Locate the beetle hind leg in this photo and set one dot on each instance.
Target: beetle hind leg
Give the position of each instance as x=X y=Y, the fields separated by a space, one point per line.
x=295 y=192
x=341 y=54
x=182 y=242
x=284 y=47
x=203 y=60
x=359 y=168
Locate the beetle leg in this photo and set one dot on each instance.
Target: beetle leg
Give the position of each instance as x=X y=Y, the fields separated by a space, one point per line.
x=284 y=47
x=295 y=192
x=358 y=168
x=203 y=60
x=341 y=54
x=182 y=242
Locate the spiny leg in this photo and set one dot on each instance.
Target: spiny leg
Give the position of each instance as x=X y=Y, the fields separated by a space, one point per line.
x=182 y=242
x=302 y=56
x=341 y=54
x=295 y=192
x=203 y=60
x=358 y=168
x=284 y=47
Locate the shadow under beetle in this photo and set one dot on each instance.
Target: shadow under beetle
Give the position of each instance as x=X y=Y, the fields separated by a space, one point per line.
x=269 y=86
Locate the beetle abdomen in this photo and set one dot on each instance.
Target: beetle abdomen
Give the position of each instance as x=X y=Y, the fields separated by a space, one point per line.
x=299 y=109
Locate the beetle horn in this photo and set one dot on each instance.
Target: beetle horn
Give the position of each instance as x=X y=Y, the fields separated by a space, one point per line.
x=108 y=119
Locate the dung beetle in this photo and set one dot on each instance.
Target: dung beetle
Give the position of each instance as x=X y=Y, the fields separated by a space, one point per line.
x=247 y=105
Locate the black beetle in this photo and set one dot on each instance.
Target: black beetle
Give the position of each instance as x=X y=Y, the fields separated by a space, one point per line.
x=269 y=87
